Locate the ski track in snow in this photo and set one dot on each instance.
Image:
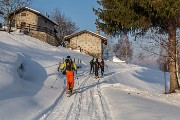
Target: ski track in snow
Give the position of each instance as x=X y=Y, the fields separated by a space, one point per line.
x=88 y=103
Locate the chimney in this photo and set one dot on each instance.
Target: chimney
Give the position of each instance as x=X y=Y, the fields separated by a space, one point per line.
x=97 y=30
x=46 y=14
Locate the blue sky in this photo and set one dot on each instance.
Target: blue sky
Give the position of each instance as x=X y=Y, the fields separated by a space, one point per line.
x=79 y=11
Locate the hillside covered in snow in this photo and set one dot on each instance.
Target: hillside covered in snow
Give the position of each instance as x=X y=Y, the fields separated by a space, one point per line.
x=31 y=88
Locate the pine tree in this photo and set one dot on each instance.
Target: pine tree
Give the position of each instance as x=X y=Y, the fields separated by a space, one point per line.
x=116 y=16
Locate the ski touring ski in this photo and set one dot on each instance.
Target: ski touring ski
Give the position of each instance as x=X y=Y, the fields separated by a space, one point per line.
x=70 y=94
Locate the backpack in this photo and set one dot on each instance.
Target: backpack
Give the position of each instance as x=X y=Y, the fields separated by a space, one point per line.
x=91 y=62
x=102 y=63
x=96 y=65
x=69 y=65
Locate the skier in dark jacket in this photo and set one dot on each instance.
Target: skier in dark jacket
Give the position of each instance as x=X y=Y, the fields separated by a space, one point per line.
x=102 y=67
x=92 y=65
x=96 y=67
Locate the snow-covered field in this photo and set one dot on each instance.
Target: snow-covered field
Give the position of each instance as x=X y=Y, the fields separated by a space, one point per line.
x=32 y=89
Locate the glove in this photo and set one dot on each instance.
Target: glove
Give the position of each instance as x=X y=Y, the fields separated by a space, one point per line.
x=63 y=72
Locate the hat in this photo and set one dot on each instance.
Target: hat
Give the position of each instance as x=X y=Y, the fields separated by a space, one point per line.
x=68 y=56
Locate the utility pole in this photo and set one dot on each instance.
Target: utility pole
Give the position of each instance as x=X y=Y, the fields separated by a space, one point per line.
x=166 y=68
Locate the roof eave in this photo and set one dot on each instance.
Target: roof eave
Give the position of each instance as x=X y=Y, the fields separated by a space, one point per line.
x=34 y=11
x=66 y=38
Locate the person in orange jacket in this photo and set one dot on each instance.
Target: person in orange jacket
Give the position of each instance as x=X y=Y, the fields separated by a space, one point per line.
x=69 y=66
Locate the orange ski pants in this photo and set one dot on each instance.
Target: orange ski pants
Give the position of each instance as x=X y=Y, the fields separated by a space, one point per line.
x=70 y=79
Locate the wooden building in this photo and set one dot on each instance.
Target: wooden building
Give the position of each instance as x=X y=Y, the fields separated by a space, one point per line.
x=88 y=42
x=35 y=24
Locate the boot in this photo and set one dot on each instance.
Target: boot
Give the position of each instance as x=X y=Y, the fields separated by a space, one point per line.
x=68 y=92
x=71 y=89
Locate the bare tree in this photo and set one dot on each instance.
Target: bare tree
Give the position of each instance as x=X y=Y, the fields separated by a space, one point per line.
x=65 y=25
x=123 y=49
x=163 y=59
x=156 y=43
x=9 y=6
x=108 y=49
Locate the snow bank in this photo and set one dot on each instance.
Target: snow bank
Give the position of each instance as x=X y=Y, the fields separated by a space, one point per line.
x=115 y=59
x=10 y=63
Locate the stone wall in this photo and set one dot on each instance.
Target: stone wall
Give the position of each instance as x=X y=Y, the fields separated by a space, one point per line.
x=30 y=18
x=88 y=44
x=45 y=23
x=44 y=37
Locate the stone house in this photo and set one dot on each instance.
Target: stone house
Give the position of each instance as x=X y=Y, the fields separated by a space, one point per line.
x=34 y=24
x=88 y=42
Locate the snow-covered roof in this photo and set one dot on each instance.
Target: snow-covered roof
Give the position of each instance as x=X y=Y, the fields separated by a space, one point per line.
x=34 y=11
x=87 y=31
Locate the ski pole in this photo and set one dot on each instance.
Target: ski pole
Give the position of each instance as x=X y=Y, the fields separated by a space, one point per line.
x=77 y=80
x=55 y=81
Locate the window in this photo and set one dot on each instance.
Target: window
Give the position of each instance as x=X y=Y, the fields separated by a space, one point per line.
x=23 y=24
x=23 y=14
x=13 y=23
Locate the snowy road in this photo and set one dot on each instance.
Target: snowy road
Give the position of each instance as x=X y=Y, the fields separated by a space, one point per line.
x=88 y=103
